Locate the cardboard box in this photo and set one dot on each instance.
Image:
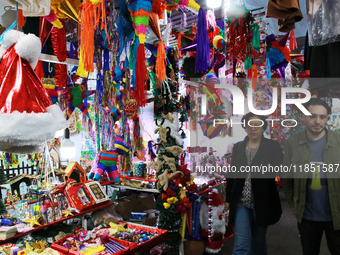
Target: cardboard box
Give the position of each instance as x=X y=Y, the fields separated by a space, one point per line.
x=152 y=217
x=134 y=203
x=150 y=221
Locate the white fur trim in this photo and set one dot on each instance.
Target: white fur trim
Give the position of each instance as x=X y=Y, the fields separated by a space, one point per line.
x=10 y=38
x=23 y=149
x=30 y=129
x=212 y=250
x=29 y=48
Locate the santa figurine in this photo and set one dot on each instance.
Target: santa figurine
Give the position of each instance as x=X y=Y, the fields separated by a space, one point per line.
x=212 y=222
x=27 y=115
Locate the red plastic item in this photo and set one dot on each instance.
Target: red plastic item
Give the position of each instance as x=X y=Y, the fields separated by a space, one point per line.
x=64 y=251
x=79 y=196
x=146 y=246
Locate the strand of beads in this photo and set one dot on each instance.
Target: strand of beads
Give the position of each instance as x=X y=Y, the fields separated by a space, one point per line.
x=210 y=213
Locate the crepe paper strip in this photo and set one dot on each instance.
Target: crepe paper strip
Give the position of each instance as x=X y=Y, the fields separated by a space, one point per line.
x=292 y=41
x=21 y=19
x=254 y=77
x=203 y=47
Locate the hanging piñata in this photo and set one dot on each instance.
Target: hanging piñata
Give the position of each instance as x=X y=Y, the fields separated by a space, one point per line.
x=277 y=54
x=140 y=12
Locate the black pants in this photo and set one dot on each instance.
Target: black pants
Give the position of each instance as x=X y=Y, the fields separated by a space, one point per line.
x=311 y=234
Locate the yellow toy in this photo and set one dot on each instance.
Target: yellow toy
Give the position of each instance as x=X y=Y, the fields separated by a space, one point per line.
x=33 y=221
x=116 y=228
x=93 y=250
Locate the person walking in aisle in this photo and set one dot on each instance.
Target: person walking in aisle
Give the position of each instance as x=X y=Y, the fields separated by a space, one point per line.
x=313 y=188
x=254 y=203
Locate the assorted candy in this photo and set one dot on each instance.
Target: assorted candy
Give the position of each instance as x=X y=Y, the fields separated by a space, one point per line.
x=135 y=236
x=90 y=242
x=113 y=247
x=98 y=241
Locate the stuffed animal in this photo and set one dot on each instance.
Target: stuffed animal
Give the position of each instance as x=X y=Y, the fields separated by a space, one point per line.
x=107 y=161
x=155 y=165
x=214 y=207
x=170 y=162
x=162 y=133
x=175 y=150
x=168 y=117
x=163 y=179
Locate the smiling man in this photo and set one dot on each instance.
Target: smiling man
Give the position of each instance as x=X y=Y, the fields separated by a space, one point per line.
x=312 y=188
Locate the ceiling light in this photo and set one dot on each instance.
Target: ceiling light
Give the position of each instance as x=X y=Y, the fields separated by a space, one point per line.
x=67 y=147
x=213 y=4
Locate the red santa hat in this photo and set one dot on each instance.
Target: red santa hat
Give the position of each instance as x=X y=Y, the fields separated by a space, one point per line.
x=212 y=222
x=27 y=114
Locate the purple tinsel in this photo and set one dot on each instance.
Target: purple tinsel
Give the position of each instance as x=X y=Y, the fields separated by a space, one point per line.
x=203 y=47
x=270 y=38
x=220 y=23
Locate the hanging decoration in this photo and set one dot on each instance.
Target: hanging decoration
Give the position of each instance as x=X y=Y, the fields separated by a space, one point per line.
x=278 y=54
x=74 y=97
x=239 y=38
x=213 y=226
x=89 y=13
x=140 y=12
x=202 y=63
x=66 y=9
x=31 y=118
x=161 y=54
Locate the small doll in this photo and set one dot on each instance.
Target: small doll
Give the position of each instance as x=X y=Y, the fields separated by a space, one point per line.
x=107 y=160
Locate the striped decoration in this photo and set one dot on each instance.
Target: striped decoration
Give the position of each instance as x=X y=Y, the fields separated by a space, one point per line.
x=140 y=12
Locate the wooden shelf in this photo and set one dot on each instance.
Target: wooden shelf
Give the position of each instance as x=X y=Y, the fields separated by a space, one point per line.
x=131 y=188
x=129 y=178
x=92 y=209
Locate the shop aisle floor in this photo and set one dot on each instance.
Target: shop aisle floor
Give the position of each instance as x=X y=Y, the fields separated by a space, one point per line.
x=282 y=238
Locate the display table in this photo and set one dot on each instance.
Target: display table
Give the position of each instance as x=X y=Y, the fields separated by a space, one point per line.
x=122 y=177
x=92 y=209
x=129 y=178
x=137 y=189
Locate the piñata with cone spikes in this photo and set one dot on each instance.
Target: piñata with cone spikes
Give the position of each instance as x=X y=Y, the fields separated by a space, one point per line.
x=140 y=13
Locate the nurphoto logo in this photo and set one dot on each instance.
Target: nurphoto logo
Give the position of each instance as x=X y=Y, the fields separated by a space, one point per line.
x=239 y=98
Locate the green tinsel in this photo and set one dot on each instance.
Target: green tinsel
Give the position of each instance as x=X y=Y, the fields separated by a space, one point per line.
x=132 y=49
x=247 y=63
x=170 y=221
x=3 y=209
x=256 y=35
x=3 y=177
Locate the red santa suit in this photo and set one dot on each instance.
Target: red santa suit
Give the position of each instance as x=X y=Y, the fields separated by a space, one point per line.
x=213 y=230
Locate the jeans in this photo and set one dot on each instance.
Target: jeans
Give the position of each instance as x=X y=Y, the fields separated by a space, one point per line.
x=311 y=234
x=249 y=239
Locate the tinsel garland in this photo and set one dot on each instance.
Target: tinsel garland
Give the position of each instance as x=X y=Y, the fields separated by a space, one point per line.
x=239 y=34
x=58 y=39
x=137 y=138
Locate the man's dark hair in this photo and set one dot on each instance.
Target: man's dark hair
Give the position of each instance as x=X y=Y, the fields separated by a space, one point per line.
x=250 y=115
x=318 y=101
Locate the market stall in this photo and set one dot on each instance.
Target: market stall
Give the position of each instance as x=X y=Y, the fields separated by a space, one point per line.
x=116 y=113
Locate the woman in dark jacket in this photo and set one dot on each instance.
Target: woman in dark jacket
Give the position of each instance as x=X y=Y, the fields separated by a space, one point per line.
x=252 y=198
